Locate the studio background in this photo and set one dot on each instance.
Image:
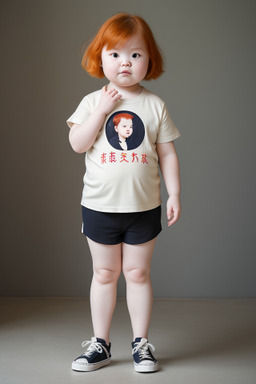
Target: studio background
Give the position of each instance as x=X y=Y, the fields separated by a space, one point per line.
x=209 y=88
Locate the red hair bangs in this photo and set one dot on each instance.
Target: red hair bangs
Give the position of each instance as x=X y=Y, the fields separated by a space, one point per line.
x=117 y=118
x=115 y=32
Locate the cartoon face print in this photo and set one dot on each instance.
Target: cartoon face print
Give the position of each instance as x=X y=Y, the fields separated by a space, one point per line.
x=125 y=130
x=124 y=127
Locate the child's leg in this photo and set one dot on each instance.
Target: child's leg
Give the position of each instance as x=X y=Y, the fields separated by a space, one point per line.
x=136 y=268
x=106 y=271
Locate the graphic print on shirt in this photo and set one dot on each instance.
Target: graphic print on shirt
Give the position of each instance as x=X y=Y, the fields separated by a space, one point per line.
x=125 y=130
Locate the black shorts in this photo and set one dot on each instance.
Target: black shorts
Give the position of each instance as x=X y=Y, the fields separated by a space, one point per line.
x=115 y=228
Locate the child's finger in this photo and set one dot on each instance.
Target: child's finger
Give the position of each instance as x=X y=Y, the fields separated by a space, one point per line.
x=115 y=95
x=172 y=218
x=118 y=96
x=113 y=92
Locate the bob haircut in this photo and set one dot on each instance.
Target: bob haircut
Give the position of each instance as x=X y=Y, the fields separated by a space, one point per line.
x=115 y=32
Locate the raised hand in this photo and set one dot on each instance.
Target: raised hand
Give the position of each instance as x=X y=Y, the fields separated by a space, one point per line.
x=108 y=100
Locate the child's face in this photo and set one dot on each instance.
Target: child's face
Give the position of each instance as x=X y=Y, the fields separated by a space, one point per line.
x=127 y=65
x=124 y=128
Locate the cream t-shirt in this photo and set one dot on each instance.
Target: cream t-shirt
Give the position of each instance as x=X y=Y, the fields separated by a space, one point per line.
x=125 y=177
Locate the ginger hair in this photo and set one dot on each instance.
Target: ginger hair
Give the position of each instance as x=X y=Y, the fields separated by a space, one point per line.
x=115 y=32
x=117 y=118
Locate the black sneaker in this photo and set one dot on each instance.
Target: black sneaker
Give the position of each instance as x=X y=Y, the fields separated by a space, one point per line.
x=96 y=356
x=144 y=361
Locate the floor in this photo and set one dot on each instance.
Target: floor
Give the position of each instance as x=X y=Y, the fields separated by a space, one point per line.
x=197 y=341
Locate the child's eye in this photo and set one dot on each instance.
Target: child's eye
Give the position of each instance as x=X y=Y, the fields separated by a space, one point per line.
x=115 y=55
x=135 y=55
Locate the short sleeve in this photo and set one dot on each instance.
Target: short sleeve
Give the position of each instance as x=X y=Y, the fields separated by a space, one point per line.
x=167 y=130
x=81 y=113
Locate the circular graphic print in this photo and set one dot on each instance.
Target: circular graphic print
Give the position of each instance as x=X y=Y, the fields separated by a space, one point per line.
x=125 y=130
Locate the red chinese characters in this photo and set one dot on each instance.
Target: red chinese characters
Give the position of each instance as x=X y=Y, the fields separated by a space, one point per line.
x=144 y=158
x=123 y=157
x=112 y=157
x=103 y=158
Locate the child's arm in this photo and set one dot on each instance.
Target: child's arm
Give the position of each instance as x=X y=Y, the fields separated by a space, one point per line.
x=169 y=165
x=82 y=136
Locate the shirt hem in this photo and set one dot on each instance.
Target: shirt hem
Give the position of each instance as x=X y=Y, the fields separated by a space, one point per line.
x=129 y=209
x=168 y=139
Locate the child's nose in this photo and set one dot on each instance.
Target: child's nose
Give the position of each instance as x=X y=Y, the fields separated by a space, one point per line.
x=126 y=63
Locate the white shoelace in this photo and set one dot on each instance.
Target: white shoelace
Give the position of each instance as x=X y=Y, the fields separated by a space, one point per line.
x=94 y=346
x=143 y=349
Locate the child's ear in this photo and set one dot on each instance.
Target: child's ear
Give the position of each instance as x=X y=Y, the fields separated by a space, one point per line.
x=115 y=128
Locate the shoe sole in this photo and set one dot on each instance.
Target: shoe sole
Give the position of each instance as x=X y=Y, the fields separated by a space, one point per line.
x=90 y=366
x=146 y=368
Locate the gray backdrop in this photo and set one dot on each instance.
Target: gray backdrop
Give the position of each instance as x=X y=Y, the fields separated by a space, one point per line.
x=209 y=87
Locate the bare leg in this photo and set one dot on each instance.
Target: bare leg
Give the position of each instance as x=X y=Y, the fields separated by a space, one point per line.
x=107 y=269
x=136 y=268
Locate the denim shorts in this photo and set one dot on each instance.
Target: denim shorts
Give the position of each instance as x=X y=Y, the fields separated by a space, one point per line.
x=115 y=228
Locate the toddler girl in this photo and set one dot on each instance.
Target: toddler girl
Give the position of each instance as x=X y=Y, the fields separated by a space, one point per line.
x=121 y=203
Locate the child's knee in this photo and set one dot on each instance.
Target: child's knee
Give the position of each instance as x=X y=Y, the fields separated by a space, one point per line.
x=137 y=275
x=106 y=275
